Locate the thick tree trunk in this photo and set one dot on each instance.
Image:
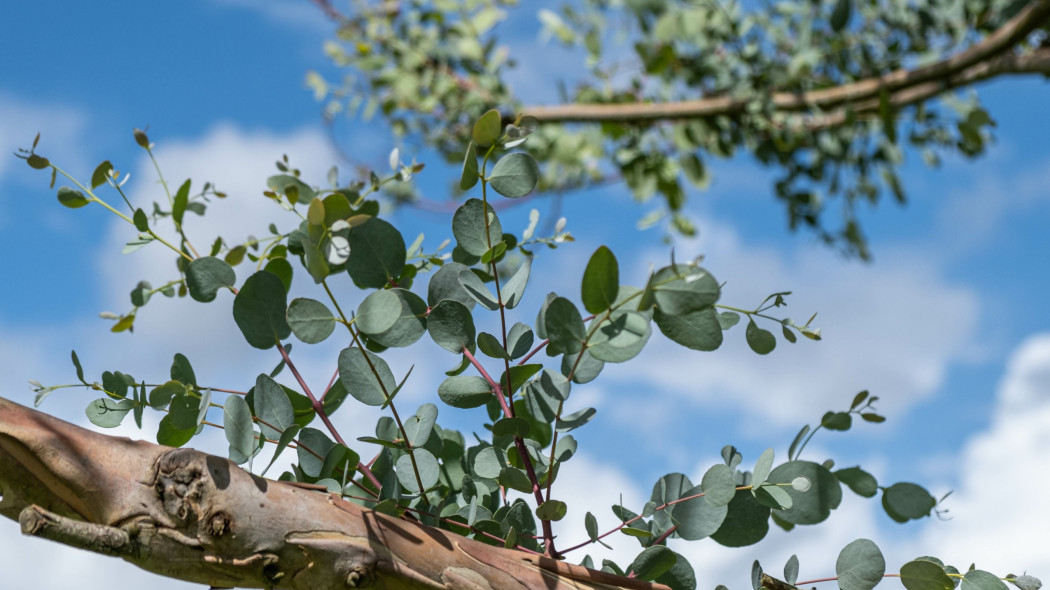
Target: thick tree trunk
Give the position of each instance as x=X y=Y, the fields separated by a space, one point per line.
x=184 y=514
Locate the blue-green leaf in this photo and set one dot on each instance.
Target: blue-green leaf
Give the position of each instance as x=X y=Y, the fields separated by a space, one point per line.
x=205 y=276
x=356 y=373
x=272 y=407
x=514 y=175
x=860 y=566
x=237 y=425
x=310 y=320
x=471 y=222
x=377 y=254
x=601 y=281
x=259 y=310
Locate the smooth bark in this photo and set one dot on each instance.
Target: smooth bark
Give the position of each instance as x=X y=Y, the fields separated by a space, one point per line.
x=185 y=514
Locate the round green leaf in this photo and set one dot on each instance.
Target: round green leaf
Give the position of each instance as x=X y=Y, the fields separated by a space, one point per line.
x=554 y=385
x=762 y=468
x=410 y=323
x=981 y=580
x=728 y=319
x=621 y=337
x=586 y=370
x=813 y=505
x=469 y=225
x=515 y=479
x=296 y=190
x=451 y=326
x=105 y=412
x=697 y=330
x=185 y=409
x=490 y=345
x=907 y=501
x=356 y=373
x=746 y=523
x=181 y=370
x=697 y=518
x=38 y=162
x=272 y=407
x=760 y=340
x=719 y=485
x=861 y=482
x=161 y=395
x=465 y=391
x=551 y=510
x=681 y=289
x=73 y=199
x=519 y=340
x=510 y=427
x=487 y=127
x=680 y=577
x=259 y=310
x=514 y=288
x=311 y=321
x=101 y=173
x=652 y=563
x=237 y=425
x=205 y=276
x=140 y=220
x=476 y=289
x=378 y=312
x=377 y=254
x=921 y=574
x=575 y=419
x=601 y=281
x=171 y=436
x=445 y=285
x=419 y=426
x=313 y=448
x=564 y=326
x=487 y=463
x=426 y=463
x=837 y=421
x=860 y=566
x=514 y=175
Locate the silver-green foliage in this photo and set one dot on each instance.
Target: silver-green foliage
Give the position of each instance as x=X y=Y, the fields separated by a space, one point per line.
x=526 y=433
x=432 y=68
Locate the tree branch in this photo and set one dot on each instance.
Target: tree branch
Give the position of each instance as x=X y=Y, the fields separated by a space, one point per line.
x=989 y=58
x=200 y=518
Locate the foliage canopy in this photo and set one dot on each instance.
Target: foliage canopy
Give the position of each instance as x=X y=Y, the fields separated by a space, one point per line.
x=826 y=92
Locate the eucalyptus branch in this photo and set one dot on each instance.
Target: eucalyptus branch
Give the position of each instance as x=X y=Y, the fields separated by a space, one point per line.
x=508 y=406
x=386 y=394
x=988 y=58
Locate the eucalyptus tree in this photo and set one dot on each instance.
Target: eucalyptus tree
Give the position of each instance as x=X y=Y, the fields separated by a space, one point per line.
x=831 y=94
x=817 y=90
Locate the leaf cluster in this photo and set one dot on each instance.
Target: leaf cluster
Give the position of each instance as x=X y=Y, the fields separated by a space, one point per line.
x=431 y=474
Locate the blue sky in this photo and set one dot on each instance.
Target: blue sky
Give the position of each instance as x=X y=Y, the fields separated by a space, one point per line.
x=948 y=325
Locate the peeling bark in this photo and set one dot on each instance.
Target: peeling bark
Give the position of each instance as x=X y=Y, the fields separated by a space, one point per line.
x=200 y=518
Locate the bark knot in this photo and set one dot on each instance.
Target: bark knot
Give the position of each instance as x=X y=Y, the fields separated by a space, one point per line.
x=180 y=485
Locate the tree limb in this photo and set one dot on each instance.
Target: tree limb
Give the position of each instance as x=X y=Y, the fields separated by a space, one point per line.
x=200 y=518
x=991 y=57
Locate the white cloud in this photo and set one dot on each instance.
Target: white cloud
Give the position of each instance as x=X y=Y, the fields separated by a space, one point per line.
x=894 y=327
x=998 y=510
x=63 y=130
x=983 y=208
x=23 y=119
